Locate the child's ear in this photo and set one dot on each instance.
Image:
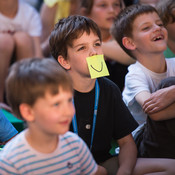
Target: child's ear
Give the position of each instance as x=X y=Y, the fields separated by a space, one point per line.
x=128 y=43
x=26 y=112
x=63 y=62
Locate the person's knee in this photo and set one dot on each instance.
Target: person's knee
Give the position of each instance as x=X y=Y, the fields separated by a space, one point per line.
x=7 y=43
x=22 y=39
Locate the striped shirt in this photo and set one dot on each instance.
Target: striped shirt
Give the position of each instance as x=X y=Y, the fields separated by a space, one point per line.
x=70 y=157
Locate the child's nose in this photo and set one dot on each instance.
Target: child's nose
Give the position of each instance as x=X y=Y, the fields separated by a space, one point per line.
x=93 y=52
x=111 y=8
x=157 y=27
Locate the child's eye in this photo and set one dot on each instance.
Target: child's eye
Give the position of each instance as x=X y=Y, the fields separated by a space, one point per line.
x=56 y=104
x=102 y=5
x=70 y=100
x=116 y=5
x=98 y=44
x=145 y=28
x=81 y=48
x=161 y=25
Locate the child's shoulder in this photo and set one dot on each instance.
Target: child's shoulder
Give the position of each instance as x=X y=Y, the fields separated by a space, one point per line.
x=14 y=145
x=71 y=139
x=137 y=66
x=70 y=136
x=170 y=60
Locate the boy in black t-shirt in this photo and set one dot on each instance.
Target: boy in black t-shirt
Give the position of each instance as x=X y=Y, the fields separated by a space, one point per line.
x=101 y=115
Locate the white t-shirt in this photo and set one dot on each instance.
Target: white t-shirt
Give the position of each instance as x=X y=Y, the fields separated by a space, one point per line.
x=139 y=79
x=71 y=156
x=27 y=19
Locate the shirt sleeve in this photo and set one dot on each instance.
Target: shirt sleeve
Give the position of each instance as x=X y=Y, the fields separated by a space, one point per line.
x=135 y=82
x=88 y=164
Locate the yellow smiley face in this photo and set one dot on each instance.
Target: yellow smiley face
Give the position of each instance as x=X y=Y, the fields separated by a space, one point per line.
x=97 y=66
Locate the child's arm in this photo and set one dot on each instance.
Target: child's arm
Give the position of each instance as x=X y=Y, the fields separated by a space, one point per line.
x=127 y=155
x=47 y=14
x=112 y=50
x=101 y=171
x=164 y=114
x=159 y=100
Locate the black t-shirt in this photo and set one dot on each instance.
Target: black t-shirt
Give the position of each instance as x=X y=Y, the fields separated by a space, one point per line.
x=113 y=118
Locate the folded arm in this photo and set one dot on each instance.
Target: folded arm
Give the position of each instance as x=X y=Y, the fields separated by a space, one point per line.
x=167 y=105
x=159 y=100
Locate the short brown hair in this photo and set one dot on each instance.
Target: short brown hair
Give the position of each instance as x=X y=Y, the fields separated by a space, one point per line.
x=123 y=24
x=67 y=30
x=165 y=9
x=30 y=78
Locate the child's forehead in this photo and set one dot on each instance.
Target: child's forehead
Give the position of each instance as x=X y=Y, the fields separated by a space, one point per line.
x=144 y=17
x=83 y=35
x=51 y=91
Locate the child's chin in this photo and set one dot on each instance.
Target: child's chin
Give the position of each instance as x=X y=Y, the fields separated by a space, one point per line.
x=64 y=131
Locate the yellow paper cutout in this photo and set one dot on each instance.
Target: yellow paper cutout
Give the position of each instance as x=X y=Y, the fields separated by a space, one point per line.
x=97 y=66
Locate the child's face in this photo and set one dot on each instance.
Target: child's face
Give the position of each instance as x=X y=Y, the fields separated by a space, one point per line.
x=53 y=113
x=104 y=11
x=149 y=34
x=83 y=47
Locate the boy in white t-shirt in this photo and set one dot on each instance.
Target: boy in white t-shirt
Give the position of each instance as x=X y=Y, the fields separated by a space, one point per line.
x=141 y=33
x=145 y=38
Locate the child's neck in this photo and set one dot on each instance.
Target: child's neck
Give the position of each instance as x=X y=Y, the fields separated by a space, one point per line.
x=154 y=62
x=83 y=84
x=36 y=139
x=171 y=45
x=9 y=7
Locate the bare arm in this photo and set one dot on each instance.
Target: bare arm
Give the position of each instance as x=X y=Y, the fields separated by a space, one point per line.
x=101 y=171
x=112 y=50
x=47 y=18
x=159 y=100
x=164 y=114
x=127 y=155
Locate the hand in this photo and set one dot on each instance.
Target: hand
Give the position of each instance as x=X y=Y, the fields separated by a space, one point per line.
x=101 y=171
x=158 y=100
